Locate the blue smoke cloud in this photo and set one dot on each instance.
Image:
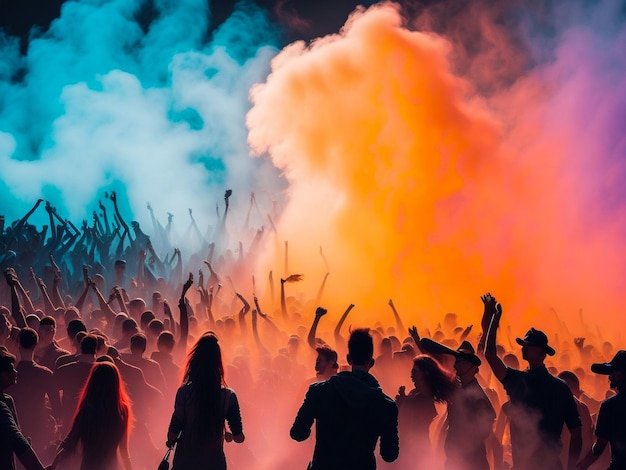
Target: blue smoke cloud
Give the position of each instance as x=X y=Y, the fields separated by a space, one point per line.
x=152 y=108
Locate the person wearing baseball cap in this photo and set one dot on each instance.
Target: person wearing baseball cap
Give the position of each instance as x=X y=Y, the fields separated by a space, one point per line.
x=540 y=404
x=611 y=424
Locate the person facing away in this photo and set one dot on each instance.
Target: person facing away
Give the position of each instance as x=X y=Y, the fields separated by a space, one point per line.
x=539 y=402
x=611 y=424
x=101 y=424
x=12 y=441
x=351 y=413
x=203 y=403
x=35 y=383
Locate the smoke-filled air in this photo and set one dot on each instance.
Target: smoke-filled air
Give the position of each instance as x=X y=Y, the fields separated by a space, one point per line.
x=425 y=152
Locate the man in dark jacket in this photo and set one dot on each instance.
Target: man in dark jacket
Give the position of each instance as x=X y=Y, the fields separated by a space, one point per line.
x=351 y=412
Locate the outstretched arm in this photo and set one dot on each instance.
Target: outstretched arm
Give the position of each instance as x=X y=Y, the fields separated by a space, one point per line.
x=283 y=303
x=16 y=310
x=339 y=341
x=242 y=314
x=490 y=323
x=319 y=313
x=184 y=315
x=399 y=323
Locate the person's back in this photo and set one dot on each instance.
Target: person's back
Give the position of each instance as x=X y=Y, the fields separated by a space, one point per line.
x=29 y=393
x=351 y=414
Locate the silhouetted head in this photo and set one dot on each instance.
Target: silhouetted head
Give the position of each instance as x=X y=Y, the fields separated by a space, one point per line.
x=166 y=342
x=361 y=348
x=535 y=345
x=105 y=394
x=138 y=342
x=616 y=370
x=205 y=360
x=89 y=345
x=572 y=381
x=27 y=338
x=74 y=327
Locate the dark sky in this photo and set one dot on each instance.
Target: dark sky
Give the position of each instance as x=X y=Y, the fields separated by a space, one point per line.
x=301 y=19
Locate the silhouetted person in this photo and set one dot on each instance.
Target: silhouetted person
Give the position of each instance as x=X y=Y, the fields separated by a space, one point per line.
x=48 y=350
x=12 y=441
x=470 y=413
x=71 y=378
x=203 y=403
x=34 y=384
x=326 y=365
x=101 y=425
x=431 y=384
x=611 y=423
x=165 y=359
x=351 y=413
x=73 y=328
x=150 y=368
x=539 y=402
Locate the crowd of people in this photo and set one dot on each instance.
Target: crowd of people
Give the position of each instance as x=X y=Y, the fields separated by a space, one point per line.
x=98 y=371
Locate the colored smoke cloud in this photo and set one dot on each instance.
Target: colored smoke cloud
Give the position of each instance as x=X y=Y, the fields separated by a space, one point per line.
x=432 y=156
x=107 y=100
x=428 y=181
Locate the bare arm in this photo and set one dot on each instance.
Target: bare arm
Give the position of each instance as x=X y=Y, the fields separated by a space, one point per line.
x=339 y=341
x=242 y=314
x=16 y=311
x=184 y=315
x=491 y=317
x=399 y=323
x=319 y=313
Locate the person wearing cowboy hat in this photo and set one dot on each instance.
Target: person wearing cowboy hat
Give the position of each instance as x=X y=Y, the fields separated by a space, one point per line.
x=611 y=424
x=470 y=412
x=539 y=402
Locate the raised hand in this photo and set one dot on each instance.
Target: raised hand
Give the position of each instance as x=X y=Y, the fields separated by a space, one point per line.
x=320 y=312
x=414 y=334
x=489 y=311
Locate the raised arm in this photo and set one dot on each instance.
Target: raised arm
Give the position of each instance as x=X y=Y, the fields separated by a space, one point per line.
x=16 y=310
x=242 y=314
x=47 y=303
x=416 y=339
x=57 y=299
x=396 y=316
x=184 y=315
x=490 y=322
x=319 y=313
x=339 y=341
x=113 y=197
x=283 y=303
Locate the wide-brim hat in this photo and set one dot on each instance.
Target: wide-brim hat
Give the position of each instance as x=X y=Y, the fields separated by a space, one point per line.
x=465 y=351
x=617 y=363
x=536 y=338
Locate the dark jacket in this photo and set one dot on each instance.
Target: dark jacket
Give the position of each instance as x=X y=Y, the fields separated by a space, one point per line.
x=351 y=413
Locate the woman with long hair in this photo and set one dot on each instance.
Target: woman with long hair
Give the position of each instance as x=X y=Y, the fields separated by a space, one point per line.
x=203 y=403
x=417 y=411
x=101 y=423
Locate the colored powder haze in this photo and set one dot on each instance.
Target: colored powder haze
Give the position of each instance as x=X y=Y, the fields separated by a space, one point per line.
x=433 y=154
